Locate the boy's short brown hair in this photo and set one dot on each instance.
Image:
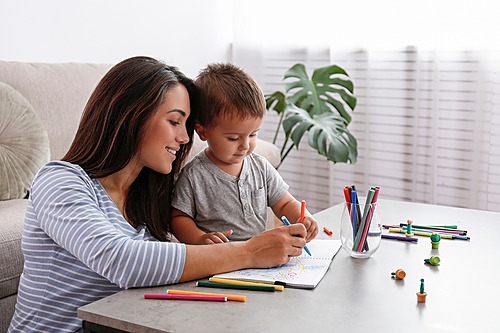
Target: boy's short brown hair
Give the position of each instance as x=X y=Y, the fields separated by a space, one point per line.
x=227 y=90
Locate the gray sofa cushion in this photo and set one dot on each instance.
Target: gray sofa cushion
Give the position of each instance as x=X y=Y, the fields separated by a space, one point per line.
x=24 y=144
x=11 y=259
x=58 y=92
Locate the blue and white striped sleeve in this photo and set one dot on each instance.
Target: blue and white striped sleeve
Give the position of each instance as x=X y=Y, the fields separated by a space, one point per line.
x=68 y=210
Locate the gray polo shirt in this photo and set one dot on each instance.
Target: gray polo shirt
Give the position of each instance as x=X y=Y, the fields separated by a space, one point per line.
x=217 y=201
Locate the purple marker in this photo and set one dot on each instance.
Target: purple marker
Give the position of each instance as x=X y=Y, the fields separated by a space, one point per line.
x=401 y=238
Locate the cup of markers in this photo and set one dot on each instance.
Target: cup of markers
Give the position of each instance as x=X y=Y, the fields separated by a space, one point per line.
x=360 y=227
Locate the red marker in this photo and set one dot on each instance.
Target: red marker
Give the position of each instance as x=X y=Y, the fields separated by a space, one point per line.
x=328 y=231
x=186 y=297
x=302 y=210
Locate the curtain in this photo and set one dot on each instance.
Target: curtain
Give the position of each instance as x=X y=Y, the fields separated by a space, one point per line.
x=427 y=124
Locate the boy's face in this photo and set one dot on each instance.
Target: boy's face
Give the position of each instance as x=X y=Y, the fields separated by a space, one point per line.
x=231 y=139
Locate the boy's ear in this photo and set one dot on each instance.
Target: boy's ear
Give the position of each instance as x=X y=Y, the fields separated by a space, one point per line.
x=201 y=131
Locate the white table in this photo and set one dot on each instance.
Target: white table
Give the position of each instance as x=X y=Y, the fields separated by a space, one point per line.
x=356 y=295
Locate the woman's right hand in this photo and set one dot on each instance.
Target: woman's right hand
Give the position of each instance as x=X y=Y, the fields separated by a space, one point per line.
x=275 y=247
x=269 y=249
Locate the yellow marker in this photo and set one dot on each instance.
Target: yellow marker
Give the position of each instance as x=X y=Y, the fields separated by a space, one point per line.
x=246 y=283
x=237 y=298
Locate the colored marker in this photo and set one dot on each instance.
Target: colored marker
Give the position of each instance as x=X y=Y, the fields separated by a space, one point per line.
x=443 y=229
x=286 y=222
x=302 y=210
x=327 y=231
x=441 y=232
x=446 y=231
x=354 y=213
x=400 y=238
x=429 y=234
x=237 y=298
x=187 y=297
x=246 y=283
x=233 y=286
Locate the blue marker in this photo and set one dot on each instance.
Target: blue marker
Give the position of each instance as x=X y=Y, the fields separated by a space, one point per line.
x=286 y=222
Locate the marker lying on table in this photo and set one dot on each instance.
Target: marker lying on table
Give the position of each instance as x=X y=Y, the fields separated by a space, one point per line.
x=286 y=222
x=233 y=286
x=400 y=238
x=430 y=227
x=237 y=298
x=187 y=297
x=246 y=283
x=439 y=231
x=429 y=234
x=327 y=231
x=446 y=231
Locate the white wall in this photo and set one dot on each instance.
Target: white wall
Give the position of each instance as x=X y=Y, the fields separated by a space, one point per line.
x=187 y=33
x=382 y=24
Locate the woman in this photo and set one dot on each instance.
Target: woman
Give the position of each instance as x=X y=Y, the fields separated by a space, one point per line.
x=97 y=221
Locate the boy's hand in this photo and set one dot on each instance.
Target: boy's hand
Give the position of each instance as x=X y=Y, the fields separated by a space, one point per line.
x=311 y=227
x=215 y=237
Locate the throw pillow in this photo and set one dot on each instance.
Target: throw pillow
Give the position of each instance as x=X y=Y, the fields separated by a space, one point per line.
x=24 y=144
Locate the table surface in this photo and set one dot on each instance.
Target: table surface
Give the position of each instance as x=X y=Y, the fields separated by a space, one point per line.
x=356 y=295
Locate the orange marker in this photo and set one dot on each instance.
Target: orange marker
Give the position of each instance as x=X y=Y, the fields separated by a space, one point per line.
x=302 y=210
x=328 y=231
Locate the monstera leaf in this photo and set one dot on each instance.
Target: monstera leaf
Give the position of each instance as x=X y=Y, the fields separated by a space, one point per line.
x=322 y=106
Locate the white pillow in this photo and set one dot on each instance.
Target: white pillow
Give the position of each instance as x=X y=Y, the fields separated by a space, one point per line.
x=24 y=144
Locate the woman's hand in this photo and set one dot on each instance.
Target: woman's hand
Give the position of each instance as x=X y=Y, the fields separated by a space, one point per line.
x=275 y=247
x=269 y=249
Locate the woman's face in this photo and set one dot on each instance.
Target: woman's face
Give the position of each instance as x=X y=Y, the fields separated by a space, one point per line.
x=166 y=131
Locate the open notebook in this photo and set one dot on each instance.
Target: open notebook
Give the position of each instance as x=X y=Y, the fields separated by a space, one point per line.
x=301 y=272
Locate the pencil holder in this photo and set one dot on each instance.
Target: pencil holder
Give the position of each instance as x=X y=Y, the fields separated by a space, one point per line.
x=360 y=230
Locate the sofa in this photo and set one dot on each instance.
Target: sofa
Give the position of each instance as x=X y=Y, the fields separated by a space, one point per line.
x=40 y=107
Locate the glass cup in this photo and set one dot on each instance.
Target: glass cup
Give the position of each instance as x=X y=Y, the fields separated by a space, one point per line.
x=360 y=230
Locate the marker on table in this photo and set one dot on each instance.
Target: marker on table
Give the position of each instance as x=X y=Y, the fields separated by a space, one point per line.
x=441 y=229
x=429 y=234
x=237 y=298
x=246 y=283
x=233 y=286
x=187 y=297
x=286 y=222
x=327 y=231
x=400 y=238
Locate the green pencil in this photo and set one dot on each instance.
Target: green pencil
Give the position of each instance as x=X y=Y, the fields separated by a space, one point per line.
x=233 y=286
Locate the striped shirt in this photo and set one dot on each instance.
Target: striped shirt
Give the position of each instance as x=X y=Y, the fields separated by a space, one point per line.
x=78 y=249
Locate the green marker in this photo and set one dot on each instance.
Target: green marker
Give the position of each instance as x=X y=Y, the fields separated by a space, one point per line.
x=233 y=286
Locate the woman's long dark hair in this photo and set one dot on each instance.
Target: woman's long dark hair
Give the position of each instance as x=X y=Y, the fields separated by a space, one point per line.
x=112 y=126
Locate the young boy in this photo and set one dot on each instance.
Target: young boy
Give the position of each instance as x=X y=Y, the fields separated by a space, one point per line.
x=223 y=193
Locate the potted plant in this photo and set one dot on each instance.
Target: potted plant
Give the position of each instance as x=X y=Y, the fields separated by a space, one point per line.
x=320 y=105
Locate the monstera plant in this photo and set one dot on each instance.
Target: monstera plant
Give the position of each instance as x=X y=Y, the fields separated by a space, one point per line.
x=321 y=106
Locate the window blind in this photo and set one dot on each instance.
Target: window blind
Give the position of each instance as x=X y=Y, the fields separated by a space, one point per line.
x=426 y=124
